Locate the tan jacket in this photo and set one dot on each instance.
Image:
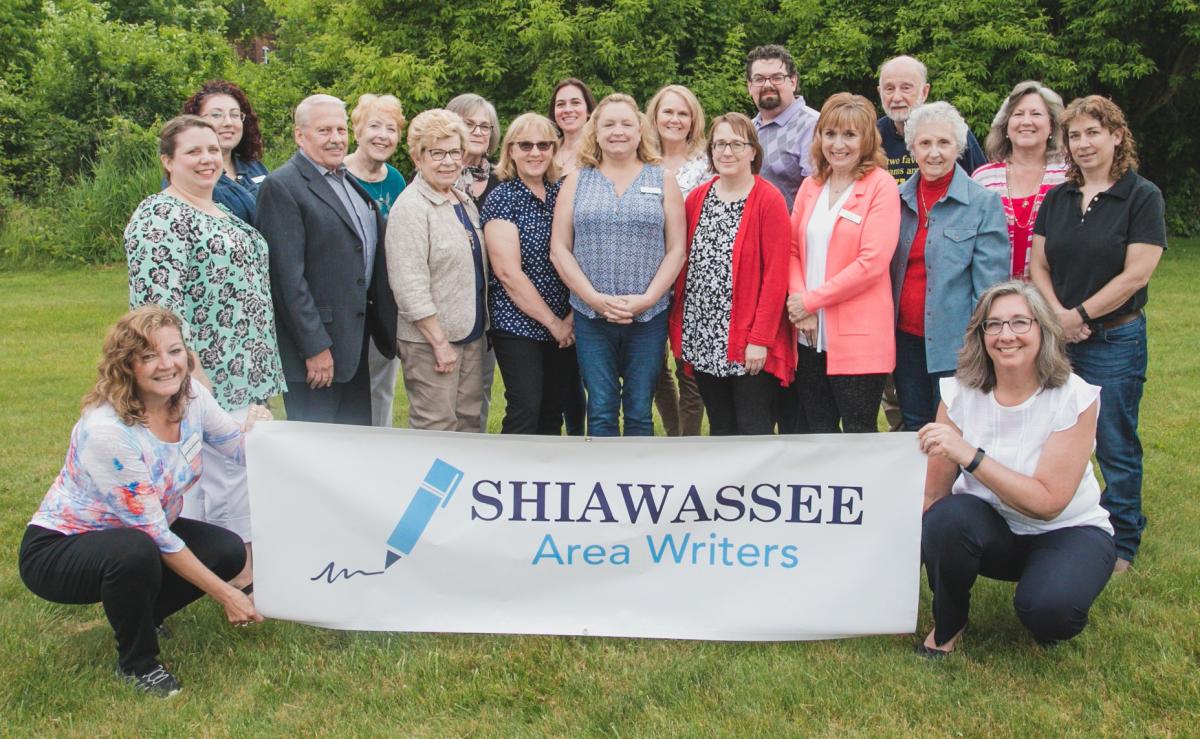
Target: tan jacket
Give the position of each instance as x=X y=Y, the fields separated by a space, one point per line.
x=429 y=261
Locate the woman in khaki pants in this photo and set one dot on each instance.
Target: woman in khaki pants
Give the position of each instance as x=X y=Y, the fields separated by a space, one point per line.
x=437 y=267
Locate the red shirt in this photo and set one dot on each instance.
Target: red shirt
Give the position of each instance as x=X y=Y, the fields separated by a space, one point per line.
x=912 y=292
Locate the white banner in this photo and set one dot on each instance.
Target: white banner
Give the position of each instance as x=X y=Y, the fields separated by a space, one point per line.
x=743 y=538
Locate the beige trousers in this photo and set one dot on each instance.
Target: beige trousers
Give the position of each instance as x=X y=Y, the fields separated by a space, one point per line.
x=443 y=401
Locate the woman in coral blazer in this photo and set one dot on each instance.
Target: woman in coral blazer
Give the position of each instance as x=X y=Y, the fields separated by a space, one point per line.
x=845 y=224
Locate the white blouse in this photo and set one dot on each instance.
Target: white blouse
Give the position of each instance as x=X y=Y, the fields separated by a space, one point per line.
x=1015 y=435
x=817 y=234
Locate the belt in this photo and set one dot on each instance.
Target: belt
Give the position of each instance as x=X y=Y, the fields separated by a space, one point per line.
x=1111 y=323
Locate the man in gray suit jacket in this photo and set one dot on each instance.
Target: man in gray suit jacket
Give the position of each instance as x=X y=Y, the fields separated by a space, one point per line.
x=328 y=272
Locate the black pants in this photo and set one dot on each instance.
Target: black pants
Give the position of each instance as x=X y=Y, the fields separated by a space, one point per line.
x=1058 y=574
x=834 y=403
x=123 y=570
x=539 y=378
x=738 y=406
x=342 y=402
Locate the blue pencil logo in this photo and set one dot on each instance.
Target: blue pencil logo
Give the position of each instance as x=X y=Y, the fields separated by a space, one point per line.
x=435 y=490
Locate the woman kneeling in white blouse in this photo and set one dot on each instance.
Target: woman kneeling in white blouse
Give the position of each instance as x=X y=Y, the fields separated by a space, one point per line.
x=1026 y=508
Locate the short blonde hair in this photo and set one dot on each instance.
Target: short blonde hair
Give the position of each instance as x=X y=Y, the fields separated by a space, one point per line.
x=431 y=125
x=525 y=124
x=695 y=135
x=589 y=149
x=368 y=104
x=855 y=112
x=116 y=380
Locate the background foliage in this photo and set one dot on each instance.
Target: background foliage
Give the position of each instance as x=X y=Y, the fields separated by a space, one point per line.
x=77 y=75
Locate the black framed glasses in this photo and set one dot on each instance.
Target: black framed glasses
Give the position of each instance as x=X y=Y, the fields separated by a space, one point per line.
x=1018 y=325
x=527 y=146
x=776 y=79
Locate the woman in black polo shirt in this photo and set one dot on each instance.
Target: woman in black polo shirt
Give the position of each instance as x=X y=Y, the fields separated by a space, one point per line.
x=1097 y=240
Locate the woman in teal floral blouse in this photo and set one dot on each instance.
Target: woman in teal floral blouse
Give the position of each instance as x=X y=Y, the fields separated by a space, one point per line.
x=191 y=256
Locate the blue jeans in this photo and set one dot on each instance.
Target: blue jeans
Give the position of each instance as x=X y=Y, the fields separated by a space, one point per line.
x=619 y=364
x=1115 y=359
x=917 y=388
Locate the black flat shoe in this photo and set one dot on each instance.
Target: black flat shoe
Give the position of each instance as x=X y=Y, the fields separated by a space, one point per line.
x=930 y=652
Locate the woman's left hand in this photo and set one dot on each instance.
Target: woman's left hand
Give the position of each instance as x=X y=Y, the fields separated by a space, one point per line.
x=795 y=309
x=939 y=439
x=756 y=357
x=255 y=414
x=1074 y=329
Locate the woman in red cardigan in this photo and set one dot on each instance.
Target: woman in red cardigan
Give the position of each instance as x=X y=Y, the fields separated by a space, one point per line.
x=728 y=321
x=845 y=224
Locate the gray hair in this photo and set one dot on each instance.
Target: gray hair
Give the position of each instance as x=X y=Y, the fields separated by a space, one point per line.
x=975 y=368
x=904 y=57
x=467 y=103
x=998 y=147
x=304 y=109
x=933 y=112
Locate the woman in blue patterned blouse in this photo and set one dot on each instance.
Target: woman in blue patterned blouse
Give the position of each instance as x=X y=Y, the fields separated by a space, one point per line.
x=533 y=328
x=618 y=243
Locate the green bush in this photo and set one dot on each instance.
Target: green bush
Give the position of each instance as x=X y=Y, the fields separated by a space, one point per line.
x=85 y=222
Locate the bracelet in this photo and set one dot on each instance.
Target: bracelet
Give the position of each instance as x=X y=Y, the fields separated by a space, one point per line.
x=1083 y=313
x=978 y=460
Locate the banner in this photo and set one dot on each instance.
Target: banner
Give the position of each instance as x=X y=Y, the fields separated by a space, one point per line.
x=737 y=538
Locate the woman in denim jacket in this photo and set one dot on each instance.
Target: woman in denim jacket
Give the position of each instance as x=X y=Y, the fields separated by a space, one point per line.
x=953 y=246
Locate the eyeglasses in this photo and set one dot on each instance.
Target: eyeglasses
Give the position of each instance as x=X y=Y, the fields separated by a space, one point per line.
x=216 y=116
x=737 y=147
x=1019 y=325
x=438 y=155
x=527 y=146
x=472 y=126
x=776 y=79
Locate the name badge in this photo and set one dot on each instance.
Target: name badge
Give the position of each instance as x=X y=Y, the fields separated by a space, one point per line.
x=258 y=180
x=191 y=448
x=850 y=216
x=650 y=190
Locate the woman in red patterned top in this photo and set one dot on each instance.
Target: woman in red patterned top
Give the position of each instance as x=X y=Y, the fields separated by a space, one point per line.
x=1023 y=147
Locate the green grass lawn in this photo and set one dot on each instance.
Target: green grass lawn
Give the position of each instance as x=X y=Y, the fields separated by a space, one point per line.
x=1135 y=671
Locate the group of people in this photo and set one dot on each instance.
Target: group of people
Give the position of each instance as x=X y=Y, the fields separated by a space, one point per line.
x=799 y=266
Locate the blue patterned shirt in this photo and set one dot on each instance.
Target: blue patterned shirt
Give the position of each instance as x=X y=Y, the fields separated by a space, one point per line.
x=514 y=202
x=619 y=241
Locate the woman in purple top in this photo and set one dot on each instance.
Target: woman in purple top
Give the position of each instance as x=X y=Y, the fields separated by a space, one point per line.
x=109 y=529
x=617 y=243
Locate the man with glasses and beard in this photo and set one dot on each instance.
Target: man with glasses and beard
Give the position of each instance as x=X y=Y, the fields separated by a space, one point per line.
x=784 y=123
x=785 y=127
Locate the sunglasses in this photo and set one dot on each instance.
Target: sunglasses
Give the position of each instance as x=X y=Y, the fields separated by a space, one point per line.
x=527 y=146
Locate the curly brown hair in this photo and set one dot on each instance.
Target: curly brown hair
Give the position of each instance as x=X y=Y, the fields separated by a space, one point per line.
x=116 y=383
x=250 y=148
x=1110 y=116
x=847 y=110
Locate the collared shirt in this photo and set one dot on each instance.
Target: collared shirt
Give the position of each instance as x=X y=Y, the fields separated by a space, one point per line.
x=786 y=140
x=1086 y=249
x=901 y=165
x=356 y=207
x=514 y=202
